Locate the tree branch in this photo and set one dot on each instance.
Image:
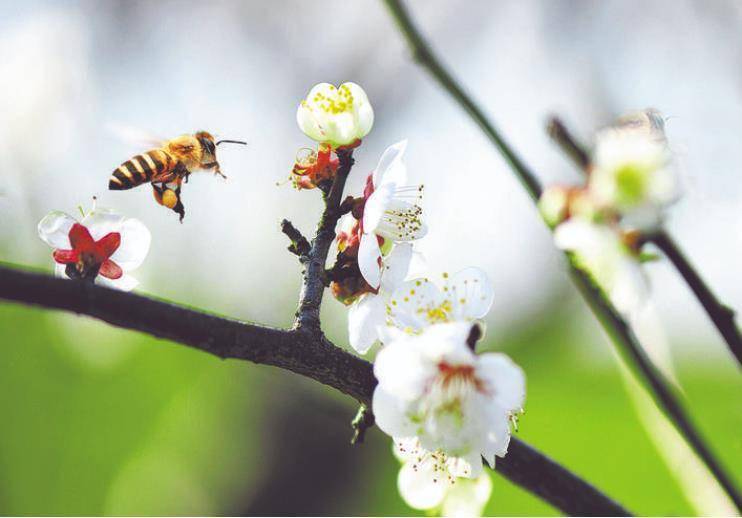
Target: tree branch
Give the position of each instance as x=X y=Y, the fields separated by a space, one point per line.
x=299 y=245
x=721 y=315
x=612 y=322
x=304 y=353
x=313 y=287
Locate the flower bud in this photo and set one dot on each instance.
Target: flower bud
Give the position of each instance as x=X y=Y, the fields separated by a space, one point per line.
x=335 y=116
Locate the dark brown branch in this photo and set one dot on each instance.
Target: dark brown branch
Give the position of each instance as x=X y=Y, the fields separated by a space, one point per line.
x=612 y=322
x=299 y=244
x=313 y=287
x=306 y=353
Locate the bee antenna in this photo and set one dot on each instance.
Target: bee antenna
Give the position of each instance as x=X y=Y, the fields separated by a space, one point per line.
x=232 y=142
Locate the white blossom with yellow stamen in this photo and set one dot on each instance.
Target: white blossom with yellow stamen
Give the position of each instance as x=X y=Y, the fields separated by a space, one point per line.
x=338 y=116
x=464 y=296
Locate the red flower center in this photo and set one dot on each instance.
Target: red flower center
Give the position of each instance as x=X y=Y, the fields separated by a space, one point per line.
x=91 y=257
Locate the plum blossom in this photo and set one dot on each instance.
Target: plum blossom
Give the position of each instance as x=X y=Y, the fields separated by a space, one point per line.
x=434 y=387
x=389 y=212
x=368 y=312
x=602 y=251
x=104 y=246
x=465 y=296
x=631 y=172
x=433 y=480
x=337 y=116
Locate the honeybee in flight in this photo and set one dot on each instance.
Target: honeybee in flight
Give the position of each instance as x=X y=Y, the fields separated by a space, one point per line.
x=168 y=166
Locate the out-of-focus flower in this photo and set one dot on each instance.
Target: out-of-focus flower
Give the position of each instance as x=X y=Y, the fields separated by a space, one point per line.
x=602 y=251
x=432 y=386
x=390 y=213
x=631 y=174
x=368 y=312
x=559 y=203
x=314 y=167
x=464 y=296
x=337 y=116
x=104 y=246
x=433 y=480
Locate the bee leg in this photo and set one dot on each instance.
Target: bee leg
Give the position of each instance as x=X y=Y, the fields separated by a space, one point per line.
x=215 y=167
x=180 y=209
x=157 y=191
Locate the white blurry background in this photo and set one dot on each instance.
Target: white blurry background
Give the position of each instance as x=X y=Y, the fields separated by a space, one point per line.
x=69 y=70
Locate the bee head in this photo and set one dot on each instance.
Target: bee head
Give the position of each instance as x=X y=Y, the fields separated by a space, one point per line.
x=208 y=145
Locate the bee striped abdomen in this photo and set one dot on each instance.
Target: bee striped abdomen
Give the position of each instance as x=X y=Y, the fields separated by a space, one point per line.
x=139 y=169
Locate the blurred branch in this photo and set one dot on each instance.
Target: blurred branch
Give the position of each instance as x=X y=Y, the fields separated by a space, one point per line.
x=721 y=315
x=313 y=287
x=612 y=322
x=564 y=139
x=307 y=353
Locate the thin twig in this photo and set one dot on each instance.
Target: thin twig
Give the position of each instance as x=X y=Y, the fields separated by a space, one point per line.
x=308 y=354
x=299 y=244
x=721 y=315
x=611 y=320
x=313 y=287
x=303 y=350
x=564 y=139
x=363 y=420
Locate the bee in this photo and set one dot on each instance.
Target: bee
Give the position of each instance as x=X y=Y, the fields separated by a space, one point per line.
x=168 y=166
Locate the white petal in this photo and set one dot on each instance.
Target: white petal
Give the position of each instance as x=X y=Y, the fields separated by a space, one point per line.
x=54 y=229
x=418 y=488
x=376 y=206
x=364 y=318
x=467 y=498
x=497 y=434
x=471 y=294
x=308 y=123
x=123 y=283
x=101 y=222
x=402 y=370
x=390 y=416
x=416 y=304
x=369 y=255
x=391 y=168
x=505 y=378
x=135 y=242
x=447 y=342
x=395 y=266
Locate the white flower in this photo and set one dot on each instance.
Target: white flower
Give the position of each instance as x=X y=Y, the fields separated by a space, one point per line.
x=104 y=246
x=600 y=251
x=368 y=313
x=336 y=116
x=465 y=296
x=391 y=211
x=432 y=386
x=632 y=174
x=434 y=480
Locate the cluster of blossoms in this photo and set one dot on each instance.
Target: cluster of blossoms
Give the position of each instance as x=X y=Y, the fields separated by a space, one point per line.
x=103 y=247
x=445 y=407
x=603 y=223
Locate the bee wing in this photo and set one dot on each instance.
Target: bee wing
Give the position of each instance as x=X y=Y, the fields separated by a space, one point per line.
x=138 y=138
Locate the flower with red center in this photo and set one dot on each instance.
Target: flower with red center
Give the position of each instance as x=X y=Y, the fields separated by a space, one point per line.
x=434 y=387
x=103 y=247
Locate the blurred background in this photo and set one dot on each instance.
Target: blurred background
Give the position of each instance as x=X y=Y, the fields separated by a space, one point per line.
x=97 y=420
